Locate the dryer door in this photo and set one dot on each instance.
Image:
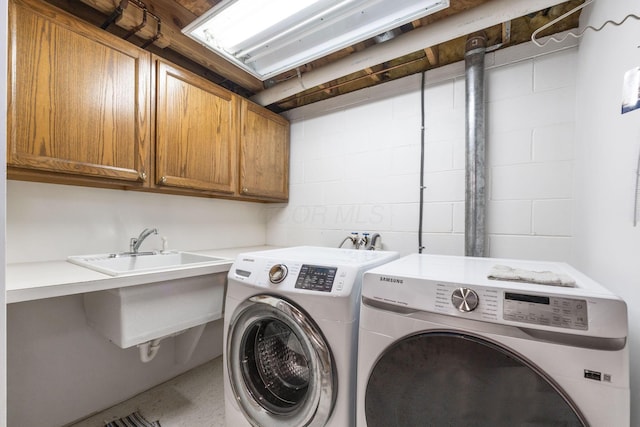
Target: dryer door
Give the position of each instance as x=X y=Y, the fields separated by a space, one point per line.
x=279 y=364
x=455 y=379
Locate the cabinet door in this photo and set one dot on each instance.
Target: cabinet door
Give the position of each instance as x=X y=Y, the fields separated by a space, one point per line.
x=264 y=153
x=196 y=132
x=79 y=98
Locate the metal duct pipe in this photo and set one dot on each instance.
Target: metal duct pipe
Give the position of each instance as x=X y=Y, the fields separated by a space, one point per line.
x=475 y=201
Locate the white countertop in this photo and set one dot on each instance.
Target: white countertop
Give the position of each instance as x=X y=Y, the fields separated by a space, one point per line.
x=29 y=281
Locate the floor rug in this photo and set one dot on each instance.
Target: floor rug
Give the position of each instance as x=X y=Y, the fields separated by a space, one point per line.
x=133 y=420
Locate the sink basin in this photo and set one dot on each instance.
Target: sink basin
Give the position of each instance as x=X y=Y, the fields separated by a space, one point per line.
x=126 y=263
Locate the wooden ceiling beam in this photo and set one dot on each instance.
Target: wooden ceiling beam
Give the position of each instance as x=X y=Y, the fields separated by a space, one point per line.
x=506 y=32
x=198 y=7
x=375 y=77
x=328 y=91
x=432 y=55
x=475 y=19
x=132 y=17
x=174 y=18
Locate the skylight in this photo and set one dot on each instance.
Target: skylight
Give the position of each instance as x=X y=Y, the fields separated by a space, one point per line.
x=267 y=38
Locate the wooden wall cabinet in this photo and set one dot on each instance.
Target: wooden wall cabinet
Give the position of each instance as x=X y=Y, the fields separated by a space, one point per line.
x=196 y=132
x=264 y=153
x=88 y=108
x=79 y=98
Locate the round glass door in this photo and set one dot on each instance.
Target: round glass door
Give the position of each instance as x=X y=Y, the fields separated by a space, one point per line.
x=453 y=379
x=280 y=366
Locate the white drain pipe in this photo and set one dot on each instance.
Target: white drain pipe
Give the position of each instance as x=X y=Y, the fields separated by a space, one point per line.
x=475 y=197
x=148 y=350
x=185 y=343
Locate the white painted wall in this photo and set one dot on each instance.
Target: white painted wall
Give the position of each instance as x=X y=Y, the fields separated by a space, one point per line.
x=355 y=161
x=50 y=222
x=59 y=369
x=562 y=164
x=607 y=245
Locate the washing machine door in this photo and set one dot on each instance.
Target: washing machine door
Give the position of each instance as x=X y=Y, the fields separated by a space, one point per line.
x=454 y=379
x=279 y=364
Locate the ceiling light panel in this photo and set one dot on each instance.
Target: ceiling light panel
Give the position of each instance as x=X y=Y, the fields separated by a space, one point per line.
x=269 y=38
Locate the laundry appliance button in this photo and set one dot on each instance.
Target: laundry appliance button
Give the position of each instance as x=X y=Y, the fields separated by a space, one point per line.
x=465 y=299
x=277 y=273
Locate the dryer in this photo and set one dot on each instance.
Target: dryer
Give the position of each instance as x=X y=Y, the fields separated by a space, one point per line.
x=290 y=337
x=442 y=344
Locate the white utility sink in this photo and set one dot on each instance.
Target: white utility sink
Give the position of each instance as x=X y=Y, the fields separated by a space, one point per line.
x=126 y=263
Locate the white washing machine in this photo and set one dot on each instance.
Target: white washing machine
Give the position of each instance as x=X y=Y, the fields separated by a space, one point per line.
x=290 y=338
x=440 y=344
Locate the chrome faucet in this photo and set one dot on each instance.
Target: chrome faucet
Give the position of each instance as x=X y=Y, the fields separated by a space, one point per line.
x=363 y=242
x=134 y=243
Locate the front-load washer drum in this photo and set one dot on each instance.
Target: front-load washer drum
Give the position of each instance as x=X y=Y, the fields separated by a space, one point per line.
x=280 y=367
x=448 y=378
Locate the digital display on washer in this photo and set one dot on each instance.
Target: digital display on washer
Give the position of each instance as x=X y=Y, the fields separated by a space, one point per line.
x=561 y=312
x=536 y=299
x=316 y=278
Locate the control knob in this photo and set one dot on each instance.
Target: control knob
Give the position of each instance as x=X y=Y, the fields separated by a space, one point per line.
x=465 y=299
x=277 y=273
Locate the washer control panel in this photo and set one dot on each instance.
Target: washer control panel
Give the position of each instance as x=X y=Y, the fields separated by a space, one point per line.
x=455 y=291
x=561 y=312
x=483 y=303
x=465 y=299
x=316 y=278
x=478 y=303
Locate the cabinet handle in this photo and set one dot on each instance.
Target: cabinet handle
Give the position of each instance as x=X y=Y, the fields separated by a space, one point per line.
x=143 y=176
x=245 y=190
x=163 y=180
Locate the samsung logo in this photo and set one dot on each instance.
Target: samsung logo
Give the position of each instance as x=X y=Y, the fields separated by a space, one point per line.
x=390 y=279
x=248 y=260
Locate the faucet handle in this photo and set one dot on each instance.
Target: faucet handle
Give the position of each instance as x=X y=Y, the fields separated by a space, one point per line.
x=132 y=244
x=135 y=242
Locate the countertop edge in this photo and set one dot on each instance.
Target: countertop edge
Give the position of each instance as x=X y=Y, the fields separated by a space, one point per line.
x=41 y=280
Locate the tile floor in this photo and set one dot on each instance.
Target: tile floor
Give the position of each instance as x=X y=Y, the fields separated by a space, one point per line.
x=193 y=399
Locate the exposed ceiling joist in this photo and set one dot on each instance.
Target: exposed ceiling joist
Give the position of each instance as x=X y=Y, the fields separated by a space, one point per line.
x=422 y=45
x=475 y=19
x=432 y=54
x=174 y=18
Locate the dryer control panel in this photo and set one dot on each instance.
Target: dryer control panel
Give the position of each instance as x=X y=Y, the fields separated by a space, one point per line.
x=562 y=312
x=460 y=288
x=532 y=308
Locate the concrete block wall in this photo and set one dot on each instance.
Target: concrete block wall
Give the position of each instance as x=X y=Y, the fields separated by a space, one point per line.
x=530 y=138
x=355 y=162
